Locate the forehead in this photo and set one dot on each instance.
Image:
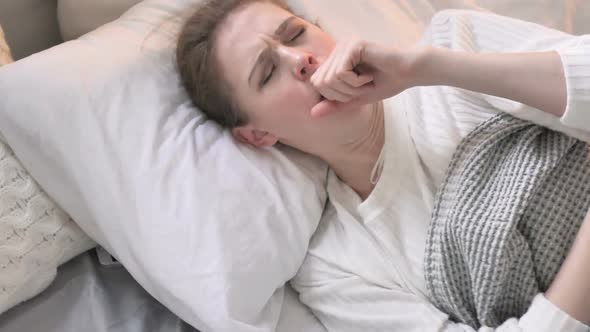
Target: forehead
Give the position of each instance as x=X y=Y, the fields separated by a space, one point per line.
x=242 y=33
x=258 y=17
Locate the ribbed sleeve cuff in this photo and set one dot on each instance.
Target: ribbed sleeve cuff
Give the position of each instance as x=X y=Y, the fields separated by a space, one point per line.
x=576 y=65
x=545 y=316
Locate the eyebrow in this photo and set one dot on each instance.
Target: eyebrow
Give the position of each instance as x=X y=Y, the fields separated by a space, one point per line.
x=264 y=52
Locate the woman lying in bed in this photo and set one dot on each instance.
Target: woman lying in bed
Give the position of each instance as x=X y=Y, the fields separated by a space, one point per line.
x=387 y=121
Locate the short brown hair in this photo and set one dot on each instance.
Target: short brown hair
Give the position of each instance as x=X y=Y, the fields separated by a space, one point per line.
x=198 y=68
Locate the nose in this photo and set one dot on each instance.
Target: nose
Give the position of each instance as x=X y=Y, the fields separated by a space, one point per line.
x=302 y=63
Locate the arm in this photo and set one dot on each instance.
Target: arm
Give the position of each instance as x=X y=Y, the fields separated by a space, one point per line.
x=534 y=78
x=570 y=290
x=563 y=56
x=525 y=63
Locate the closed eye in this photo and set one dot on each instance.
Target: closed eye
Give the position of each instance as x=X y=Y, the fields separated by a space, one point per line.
x=299 y=34
x=268 y=76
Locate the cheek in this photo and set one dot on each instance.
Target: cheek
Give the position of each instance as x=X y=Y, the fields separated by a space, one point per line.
x=287 y=107
x=291 y=100
x=294 y=94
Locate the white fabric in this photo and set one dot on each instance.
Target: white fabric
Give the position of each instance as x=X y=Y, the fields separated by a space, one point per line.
x=210 y=228
x=364 y=269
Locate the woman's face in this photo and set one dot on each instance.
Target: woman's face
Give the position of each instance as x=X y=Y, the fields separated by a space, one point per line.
x=268 y=55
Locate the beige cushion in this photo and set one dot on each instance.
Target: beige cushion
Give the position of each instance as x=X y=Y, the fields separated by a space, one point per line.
x=78 y=17
x=30 y=25
x=5 y=56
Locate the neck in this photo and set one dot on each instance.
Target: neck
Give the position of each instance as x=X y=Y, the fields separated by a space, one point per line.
x=353 y=157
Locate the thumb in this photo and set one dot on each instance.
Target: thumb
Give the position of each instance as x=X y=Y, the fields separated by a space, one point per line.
x=327 y=107
x=324 y=108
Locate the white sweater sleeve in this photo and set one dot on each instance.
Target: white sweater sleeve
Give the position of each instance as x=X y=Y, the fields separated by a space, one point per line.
x=345 y=302
x=576 y=64
x=473 y=31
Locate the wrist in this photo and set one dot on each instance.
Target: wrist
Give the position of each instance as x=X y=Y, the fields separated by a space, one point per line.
x=422 y=65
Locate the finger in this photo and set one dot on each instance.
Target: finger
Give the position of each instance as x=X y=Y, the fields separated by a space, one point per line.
x=323 y=71
x=334 y=89
x=329 y=80
x=365 y=90
x=324 y=108
x=344 y=88
x=327 y=107
x=334 y=95
x=353 y=79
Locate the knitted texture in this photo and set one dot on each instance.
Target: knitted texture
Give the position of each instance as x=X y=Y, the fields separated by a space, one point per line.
x=508 y=211
x=36 y=236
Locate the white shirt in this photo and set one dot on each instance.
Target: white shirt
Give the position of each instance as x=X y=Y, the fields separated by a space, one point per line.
x=364 y=268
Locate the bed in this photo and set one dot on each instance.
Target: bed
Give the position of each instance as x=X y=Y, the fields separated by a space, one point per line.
x=92 y=292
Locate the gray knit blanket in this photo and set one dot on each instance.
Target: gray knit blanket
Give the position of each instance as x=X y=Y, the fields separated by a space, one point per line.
x=511 y=204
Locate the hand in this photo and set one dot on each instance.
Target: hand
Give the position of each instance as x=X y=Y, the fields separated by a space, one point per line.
x=358 y=73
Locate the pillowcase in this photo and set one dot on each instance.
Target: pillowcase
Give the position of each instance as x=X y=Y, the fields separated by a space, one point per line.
x=211 y=228
x=36 y=235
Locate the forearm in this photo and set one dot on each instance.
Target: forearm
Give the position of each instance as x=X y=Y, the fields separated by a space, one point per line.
x=535 y=79
x=570 y=291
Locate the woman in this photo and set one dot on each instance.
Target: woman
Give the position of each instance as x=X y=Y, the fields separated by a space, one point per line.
x=296 y=86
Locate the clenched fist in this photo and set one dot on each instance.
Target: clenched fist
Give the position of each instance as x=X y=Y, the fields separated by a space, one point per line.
x=358 y=72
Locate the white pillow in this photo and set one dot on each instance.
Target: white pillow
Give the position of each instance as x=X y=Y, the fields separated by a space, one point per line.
x=210 y=228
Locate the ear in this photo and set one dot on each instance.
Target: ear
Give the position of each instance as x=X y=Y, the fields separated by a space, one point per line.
x=254 y=137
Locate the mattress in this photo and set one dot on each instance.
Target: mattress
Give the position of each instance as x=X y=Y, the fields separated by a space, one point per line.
x=89 y=296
